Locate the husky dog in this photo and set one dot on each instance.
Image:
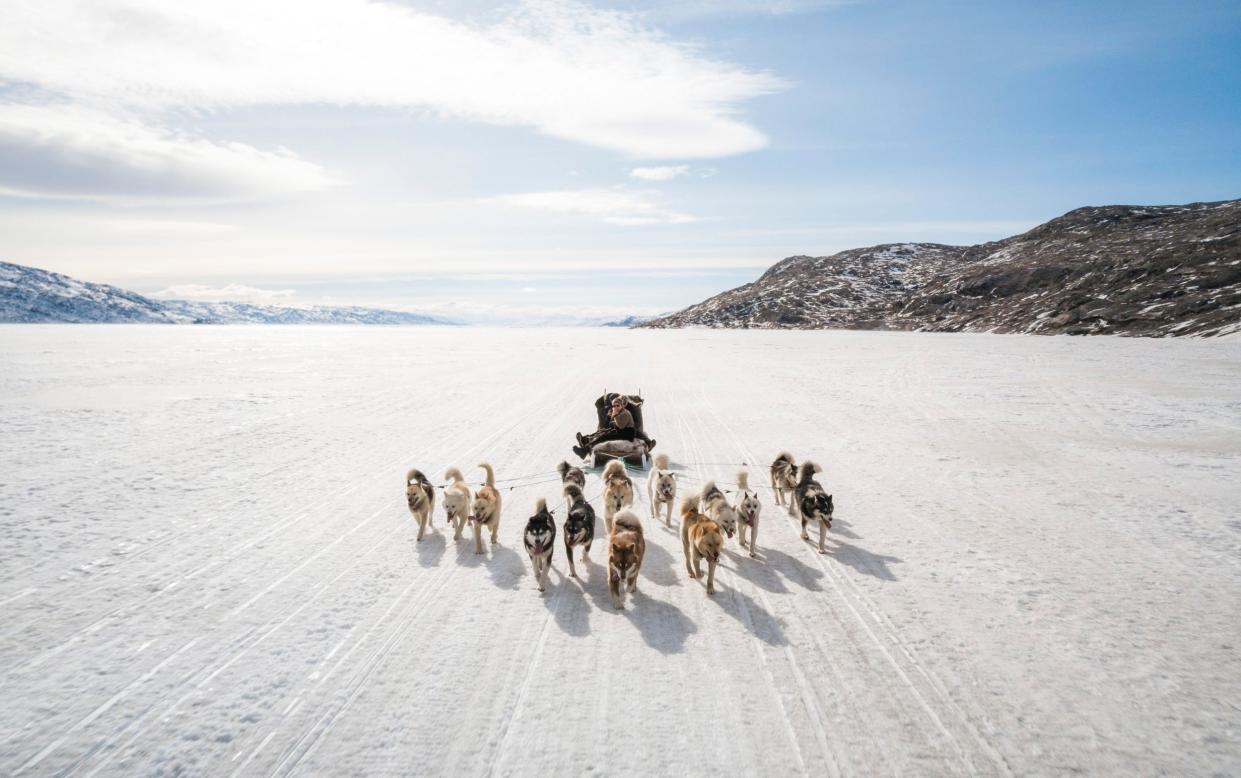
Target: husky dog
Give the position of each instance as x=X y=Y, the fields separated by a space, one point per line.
x=783 y=478
x=661 y=488
x=579 y=525
x=626 y=548
x=747 y=507
x=700 y=539
x=571 y=474
x=617 y=491
x=715 y=505
x=456 y=501
x=420 y=495
x=486 y=510
x=540 y=537
x=812 y=503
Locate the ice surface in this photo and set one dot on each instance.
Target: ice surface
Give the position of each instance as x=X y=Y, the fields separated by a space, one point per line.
x=208 y=566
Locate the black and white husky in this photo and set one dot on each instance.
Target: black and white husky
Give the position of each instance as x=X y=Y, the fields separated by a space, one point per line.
x=571 y=475
x=579 y=525
x=784 y=478
x=747 y=507
x=812 y=503
x=540 y=539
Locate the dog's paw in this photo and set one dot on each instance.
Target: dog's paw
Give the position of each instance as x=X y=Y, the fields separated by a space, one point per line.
x=753 y=555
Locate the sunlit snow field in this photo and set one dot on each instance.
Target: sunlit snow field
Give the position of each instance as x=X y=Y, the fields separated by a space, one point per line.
x=207 y=565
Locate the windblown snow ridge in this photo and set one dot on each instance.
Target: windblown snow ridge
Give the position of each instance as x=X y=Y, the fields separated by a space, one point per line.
x=31 y=295
x=1123 y=270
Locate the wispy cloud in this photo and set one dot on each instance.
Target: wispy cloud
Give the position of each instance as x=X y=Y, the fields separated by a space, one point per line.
x=613 y=206
x=566 y=70
x=659 y=173
x=72 y=151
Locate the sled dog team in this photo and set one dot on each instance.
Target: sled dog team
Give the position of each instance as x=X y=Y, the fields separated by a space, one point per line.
x=707 y=518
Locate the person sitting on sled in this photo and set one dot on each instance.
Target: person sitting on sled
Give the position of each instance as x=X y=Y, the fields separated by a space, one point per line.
x=620 y=427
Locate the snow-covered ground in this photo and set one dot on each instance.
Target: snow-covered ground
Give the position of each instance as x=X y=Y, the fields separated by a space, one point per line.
x=207 y=567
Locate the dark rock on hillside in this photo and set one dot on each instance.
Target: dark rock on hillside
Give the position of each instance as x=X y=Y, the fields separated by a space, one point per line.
x=1126 y=270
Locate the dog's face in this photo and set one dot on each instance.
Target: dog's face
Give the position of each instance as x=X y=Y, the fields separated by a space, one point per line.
x=623 y=557
x=416 y=494
x=748 y=506
x=665 y=486
x=455 y=504
x=484 y=505
x=708 y=540
x=619 y=490
x=539 y=533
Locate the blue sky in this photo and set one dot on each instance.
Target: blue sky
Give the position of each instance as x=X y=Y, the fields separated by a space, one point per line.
x=551 y=161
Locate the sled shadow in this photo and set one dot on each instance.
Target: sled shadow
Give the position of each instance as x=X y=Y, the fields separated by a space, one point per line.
x=430 y=549
x=748 y=612
x=662 y=625
x=862 y=560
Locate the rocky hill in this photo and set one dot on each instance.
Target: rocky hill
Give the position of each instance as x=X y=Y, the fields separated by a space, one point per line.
x=31 y=295
x=1126 y=270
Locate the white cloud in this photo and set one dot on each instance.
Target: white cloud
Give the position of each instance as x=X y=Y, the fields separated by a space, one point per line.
x=568 y=71
x=659 y=173
x=168 y=227
x=614 y=206
x=72 y=151
x=229 y=293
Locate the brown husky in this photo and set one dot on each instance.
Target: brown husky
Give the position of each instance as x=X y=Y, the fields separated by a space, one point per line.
x=626 y=548
x=700 y=539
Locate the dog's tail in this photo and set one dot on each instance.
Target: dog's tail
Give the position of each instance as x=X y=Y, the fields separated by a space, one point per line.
x=564 y=468
x=415 y=476
x=613 y=468
x=808 y=469
x=540 y=506
x=786 y=457
x=453 y=474
x=661 y=461
x=690 y=504
x=708 y=488
x=491 y=474
x=626 y=519
x=573 y=492
x=743 y=481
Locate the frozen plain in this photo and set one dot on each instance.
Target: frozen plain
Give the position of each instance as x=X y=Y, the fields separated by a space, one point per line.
x=207 y=567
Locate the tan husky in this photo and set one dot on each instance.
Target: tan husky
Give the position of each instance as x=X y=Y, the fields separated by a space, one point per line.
x=486 y=510
x=700 y=539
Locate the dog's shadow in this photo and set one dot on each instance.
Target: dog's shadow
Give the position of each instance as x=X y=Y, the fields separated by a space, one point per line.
x=505 y=566
x=844 y=529
x=571 y=611
x=750 y=613
x=662 y=625
x=430 y=548
x=465 y=552
x=863 y=561
x=773 y=567
x=658 y=565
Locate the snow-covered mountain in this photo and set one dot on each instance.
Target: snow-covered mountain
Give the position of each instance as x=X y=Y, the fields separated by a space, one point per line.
x=30 y=295
x=1126 y=270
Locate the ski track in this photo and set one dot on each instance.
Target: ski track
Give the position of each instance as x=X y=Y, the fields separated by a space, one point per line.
x=210 y=568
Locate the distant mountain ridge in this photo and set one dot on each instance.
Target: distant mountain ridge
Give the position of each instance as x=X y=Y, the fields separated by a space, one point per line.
x=31 y=295
x=1125 y=270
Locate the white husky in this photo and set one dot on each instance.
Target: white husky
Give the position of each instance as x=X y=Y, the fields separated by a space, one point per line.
x=747 y=507
x=661 y=488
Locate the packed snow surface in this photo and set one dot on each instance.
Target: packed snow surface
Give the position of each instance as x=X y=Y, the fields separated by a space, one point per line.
x=208 y=567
